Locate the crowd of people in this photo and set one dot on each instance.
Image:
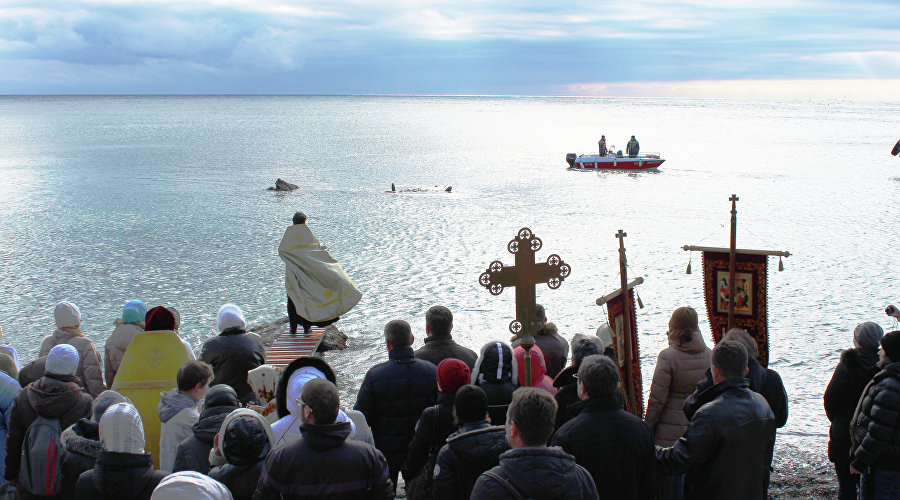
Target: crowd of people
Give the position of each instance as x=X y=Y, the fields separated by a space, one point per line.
x=453 y=423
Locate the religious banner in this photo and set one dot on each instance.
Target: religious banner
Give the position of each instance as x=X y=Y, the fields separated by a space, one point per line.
x=615 y=306
x=750 y=288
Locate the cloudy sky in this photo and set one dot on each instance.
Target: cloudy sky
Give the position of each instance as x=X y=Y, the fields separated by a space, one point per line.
x=560 y=47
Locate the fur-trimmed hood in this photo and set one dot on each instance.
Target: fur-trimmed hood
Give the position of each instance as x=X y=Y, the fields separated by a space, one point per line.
x=83 y=438
x=281 y=390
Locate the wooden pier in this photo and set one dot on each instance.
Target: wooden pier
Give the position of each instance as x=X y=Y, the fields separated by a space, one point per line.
x=289 y=347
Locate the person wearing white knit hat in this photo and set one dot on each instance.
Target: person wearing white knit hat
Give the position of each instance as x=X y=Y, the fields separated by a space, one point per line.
x=58 y=396
x=234 y=352
x=68 y=331
x=124 y=470
x=190 y=485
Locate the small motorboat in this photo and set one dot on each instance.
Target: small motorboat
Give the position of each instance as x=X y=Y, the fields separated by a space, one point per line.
x=646 y=161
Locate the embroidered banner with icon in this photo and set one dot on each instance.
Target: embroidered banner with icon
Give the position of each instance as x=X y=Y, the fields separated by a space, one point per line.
x=615 y=307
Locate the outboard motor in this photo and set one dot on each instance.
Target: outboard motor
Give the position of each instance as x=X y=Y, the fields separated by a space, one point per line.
x=570 y=159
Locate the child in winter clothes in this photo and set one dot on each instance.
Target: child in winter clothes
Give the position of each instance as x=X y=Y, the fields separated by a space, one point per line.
x=179 y=409
x=124 y=470
x=127 y=327
x=68 y=331
x=242 y=444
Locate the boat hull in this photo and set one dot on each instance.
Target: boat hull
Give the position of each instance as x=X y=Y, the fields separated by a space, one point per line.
x=596 y=162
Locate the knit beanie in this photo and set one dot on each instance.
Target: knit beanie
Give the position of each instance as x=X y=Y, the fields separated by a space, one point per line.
x=134 y=311
x=67 y=315
x=190 y=485
x=867 y=335
x=62 y=360
x=159 y=318
x=106 y=399
x=451 y=375
x=230 y=316
x=121 y=429
x=891 y=345
x=470 y=404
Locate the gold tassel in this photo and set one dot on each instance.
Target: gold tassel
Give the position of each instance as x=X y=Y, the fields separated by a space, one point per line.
x=640 y=304
x=780 y=264
x=688 y=268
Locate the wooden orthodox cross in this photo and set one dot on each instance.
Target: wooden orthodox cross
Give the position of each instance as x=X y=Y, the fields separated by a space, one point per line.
x=629 y=361
x=524 y=276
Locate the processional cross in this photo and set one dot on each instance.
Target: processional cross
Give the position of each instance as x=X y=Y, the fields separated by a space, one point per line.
x=524 y=275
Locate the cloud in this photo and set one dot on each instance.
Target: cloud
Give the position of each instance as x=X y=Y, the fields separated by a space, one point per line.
x=434 y=46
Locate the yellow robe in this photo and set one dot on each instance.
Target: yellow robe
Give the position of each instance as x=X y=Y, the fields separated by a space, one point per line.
x=316 y=283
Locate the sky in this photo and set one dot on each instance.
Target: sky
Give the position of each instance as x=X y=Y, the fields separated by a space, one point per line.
x=714 y=48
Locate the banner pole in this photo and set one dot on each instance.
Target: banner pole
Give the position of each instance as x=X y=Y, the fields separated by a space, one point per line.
x=731 y=260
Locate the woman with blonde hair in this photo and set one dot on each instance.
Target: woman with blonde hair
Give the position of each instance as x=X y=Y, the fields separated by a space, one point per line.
x=678 y=368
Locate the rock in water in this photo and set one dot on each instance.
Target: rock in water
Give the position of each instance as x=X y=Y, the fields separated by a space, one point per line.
x=281 y=185
x=333 y=340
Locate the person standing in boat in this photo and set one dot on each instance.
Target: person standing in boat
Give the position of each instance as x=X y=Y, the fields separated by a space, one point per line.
x=632 y=148
x=318 y=289
x=602 y=145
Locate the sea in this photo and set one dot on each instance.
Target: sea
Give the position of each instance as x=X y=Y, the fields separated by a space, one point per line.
x=163 y=198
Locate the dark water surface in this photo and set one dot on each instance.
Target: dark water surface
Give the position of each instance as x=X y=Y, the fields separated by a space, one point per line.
x=104 y=199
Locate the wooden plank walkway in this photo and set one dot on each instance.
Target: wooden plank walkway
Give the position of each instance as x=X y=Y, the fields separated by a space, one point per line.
x=289 y=347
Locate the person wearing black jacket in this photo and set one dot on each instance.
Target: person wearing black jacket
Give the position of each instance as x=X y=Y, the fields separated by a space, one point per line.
x=496 y=372
x=436 y=422
x=726 y=452
x=439 y=344
x=855 y=369
x=324 y=463
x=193 y=452
x=471 y=450
x=582 y=347
x=613 y=445
x=233 y=352
x=875 y=428
x=124 y=471
x=764 y=381
x=243 y=442
x=531 y=469
x=393 y=395
x=82 y=442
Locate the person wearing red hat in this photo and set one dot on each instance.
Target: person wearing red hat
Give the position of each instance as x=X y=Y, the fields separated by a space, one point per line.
x=436 y=422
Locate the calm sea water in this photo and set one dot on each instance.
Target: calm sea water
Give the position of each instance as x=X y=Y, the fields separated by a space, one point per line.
x=104 y=199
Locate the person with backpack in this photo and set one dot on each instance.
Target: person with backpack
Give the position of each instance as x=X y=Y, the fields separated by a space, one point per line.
x=124 y=471
x=39 y=414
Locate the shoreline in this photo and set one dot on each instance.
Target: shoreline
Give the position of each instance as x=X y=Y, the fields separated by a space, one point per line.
x=798 y=472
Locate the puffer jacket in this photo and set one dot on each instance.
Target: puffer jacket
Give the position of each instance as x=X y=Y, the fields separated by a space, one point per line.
x=88 y=371
x=116 y=345
x=82 y=444
x=9 y=389
x=435 y=424
x=764 y=381
x=875 y=428
x=120 y=476
x=193 y=452
x=614 y=446
x=246 y=446
x=545 y=473
x=473 y=449
x=232 y=354
x=539 y=378
x=495 y=372
x=325 y=464
x=842 y=395
x=726 y=452
x=678 y=369
x=392 y=396
x=51 y=396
